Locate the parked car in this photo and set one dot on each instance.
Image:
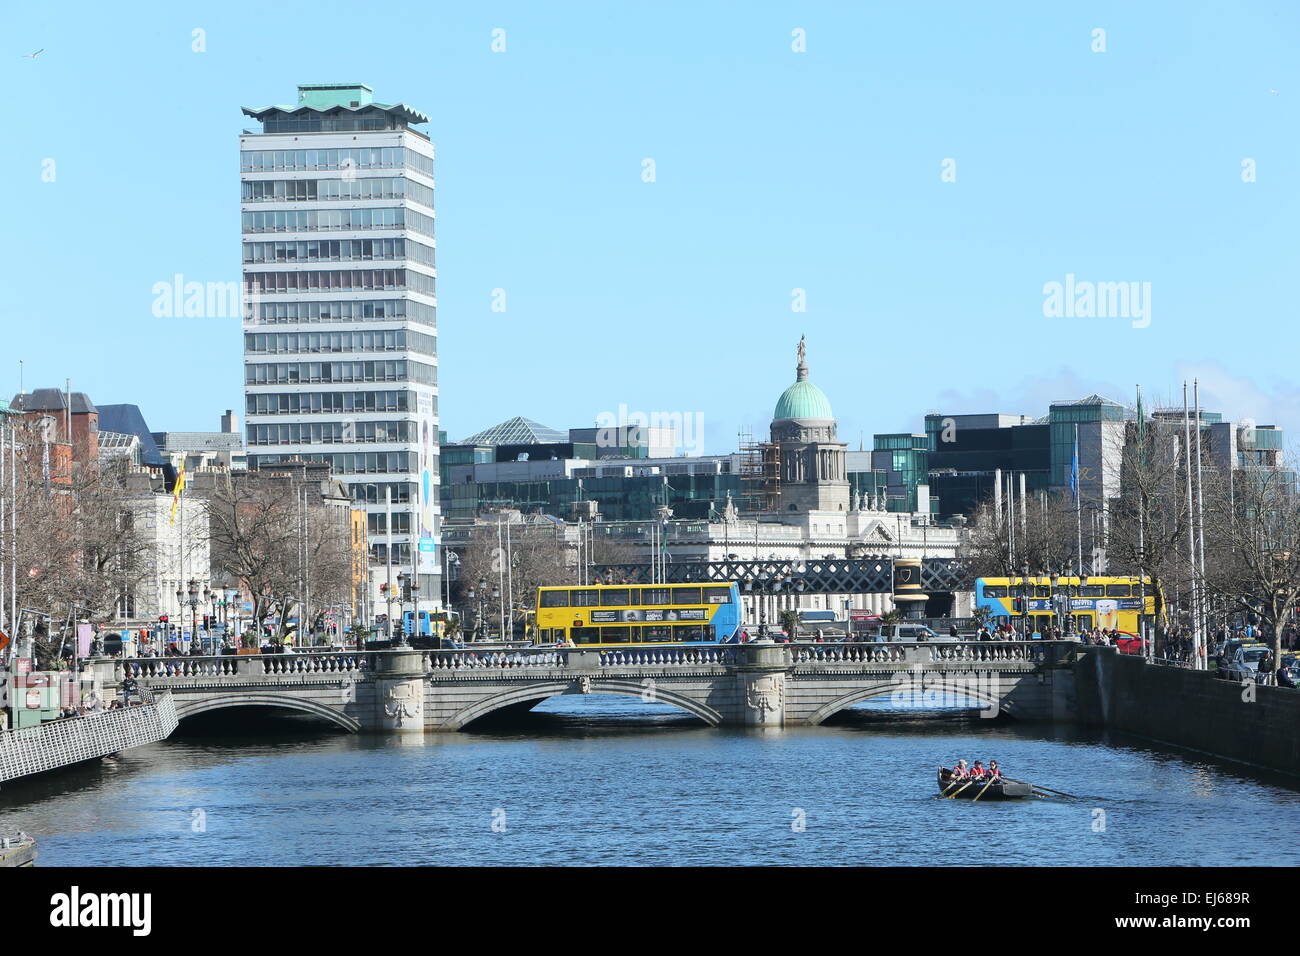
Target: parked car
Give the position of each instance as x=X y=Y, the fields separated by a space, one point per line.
x=1288 y=675
x=1245 y=663
x=1128 y=643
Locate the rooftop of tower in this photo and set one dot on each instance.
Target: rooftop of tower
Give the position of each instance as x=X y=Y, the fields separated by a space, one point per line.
x=334 y=98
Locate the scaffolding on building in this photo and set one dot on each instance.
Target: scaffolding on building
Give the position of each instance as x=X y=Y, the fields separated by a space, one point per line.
x=759 y=472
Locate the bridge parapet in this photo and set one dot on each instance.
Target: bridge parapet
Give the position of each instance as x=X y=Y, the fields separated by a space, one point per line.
x=993 y=653
x=252 y=665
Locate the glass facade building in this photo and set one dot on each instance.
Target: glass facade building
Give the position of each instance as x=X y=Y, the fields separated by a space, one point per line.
x=340 y=334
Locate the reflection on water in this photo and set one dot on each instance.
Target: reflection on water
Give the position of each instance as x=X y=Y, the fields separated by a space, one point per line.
x=602 y=779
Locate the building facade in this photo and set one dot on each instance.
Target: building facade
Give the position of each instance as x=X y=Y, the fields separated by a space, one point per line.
x=340 y=331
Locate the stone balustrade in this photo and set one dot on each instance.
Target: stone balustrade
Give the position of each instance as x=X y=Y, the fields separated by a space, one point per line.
x=250 y=665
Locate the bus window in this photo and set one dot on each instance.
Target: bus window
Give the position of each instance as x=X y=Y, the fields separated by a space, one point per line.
x=1043 y=592
x=1118 y=590
x=555 y=599
x=686 y=595
x=656 y=596
x=688 y=632
x=614 y=597
x=1091 y=590
x=717 y=595
x=995 y=590
x=588 y=597
x=1083 y=622
x=585 y=635
x=614 y=635
x=657 y=632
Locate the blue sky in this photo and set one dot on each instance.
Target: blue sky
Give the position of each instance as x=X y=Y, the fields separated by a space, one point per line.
x=775 y=171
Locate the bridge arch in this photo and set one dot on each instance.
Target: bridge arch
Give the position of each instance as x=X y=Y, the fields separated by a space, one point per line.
x=989 y=692
x=192 y=708
x=540 y=692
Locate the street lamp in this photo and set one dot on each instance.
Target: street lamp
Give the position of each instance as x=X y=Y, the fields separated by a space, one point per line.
x=1024 y=602
x=1055 y=580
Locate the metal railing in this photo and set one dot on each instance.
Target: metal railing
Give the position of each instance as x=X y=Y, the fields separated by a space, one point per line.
x=58 y=743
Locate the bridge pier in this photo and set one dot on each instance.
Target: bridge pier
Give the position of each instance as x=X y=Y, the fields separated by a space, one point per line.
x=761 y=672
x=399 y=701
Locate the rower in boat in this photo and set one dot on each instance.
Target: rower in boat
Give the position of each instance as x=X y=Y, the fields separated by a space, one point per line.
x=988 y=785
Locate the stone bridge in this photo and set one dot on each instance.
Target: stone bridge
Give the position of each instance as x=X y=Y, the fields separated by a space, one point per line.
x=760 y=684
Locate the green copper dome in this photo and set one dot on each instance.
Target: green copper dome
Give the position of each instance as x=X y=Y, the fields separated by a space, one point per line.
x=803 y=399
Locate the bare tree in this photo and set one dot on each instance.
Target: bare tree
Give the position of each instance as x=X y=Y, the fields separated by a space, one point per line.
x=78 y=549
x=258 y=538
x=1147 y=530
x=1042 y=538
x=1253 y=518
x=538 y=556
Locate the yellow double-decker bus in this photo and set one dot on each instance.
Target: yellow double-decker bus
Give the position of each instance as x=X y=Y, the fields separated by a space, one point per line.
x=602 y=615
x=1111 y=603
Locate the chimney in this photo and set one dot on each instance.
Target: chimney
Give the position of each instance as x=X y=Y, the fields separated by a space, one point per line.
x=229 y=422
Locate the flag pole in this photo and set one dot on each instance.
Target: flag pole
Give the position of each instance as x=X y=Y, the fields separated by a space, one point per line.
x=1078 y=499
x=1191 y=530
x=1200 y=530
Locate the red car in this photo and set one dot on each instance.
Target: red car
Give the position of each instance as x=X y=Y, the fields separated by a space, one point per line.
x=1128 y=643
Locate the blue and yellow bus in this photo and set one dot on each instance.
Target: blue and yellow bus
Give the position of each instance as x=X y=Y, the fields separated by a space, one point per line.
x=602 y=615
x=1112 y=603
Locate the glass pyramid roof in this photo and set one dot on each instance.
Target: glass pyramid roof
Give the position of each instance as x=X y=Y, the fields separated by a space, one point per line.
x=517 y=431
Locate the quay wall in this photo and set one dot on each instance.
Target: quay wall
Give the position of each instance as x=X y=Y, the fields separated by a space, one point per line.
x=1191 y=709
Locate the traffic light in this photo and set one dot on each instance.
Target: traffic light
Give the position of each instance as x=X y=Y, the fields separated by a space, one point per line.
x=162 y=619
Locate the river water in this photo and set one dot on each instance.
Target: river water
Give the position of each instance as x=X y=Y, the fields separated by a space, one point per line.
x=592 y=780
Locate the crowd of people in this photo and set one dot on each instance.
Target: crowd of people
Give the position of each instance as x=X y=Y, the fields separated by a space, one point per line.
x=95 y=706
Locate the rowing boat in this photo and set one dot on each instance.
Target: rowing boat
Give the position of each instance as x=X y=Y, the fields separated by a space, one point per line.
x=969 y=790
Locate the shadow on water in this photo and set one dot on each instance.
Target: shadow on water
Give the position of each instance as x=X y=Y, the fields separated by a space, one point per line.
x=234 y=722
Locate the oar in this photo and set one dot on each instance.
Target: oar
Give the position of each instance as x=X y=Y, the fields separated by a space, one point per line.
x=960 y=789
x=1059 y=793
x=986 y=786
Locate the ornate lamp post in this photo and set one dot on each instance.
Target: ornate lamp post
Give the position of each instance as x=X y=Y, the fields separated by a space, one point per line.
x=1024 y=602
x=1055 y=580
